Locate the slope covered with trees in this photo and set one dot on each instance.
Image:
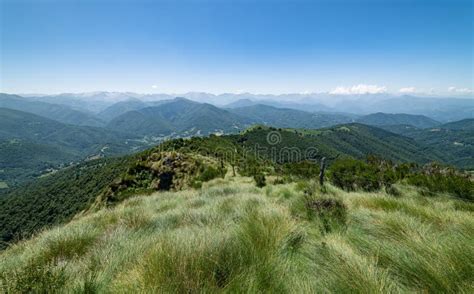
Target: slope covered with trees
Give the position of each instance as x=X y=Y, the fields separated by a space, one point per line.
x=389 y=119
x=354 y=140
x=32 y=145
x=452 y=143
x=181 y=117
x=55 y=198
x=289 y=118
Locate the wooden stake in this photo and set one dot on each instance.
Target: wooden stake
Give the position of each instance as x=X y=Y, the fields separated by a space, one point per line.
x=321 y=172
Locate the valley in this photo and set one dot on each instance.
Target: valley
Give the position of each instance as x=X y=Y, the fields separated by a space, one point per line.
x=70 y=128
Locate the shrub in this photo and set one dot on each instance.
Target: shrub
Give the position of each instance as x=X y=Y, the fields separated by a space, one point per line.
x=303 y=169
x=260 y=180
x=332 y=213
x=435 y=178
x=208 y=173
x=351 y=174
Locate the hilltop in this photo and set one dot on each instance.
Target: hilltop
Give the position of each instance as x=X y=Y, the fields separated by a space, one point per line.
x=181 y=117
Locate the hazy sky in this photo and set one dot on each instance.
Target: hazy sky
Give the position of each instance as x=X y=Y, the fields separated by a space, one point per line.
x=234 y=46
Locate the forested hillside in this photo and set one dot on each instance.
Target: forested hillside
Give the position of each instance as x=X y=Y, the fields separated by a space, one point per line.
x=55 y=198
x=355 y=140
x=180 y=117
x=388 y=119
x=289 y=118
x=452 y=143
x=32 y=145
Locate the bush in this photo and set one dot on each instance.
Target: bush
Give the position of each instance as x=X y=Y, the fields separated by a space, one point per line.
x=208 y=173
x=351 y=174
x=332 y=213
x=303 y=169
x=376 y=173
x=260 y=180
x=434 y=178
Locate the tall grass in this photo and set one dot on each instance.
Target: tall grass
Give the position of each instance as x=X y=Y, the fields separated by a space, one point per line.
x=233 y=237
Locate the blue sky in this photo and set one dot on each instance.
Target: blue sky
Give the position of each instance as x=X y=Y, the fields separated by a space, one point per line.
x=236 y=46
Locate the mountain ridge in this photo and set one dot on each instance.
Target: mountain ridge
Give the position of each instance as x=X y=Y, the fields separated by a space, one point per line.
x=56 y=112
x=386 y=119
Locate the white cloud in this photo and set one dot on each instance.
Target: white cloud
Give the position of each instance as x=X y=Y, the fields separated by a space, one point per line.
x=460 y=90
x=359 y=89
x=407 y=90
x=154 y=86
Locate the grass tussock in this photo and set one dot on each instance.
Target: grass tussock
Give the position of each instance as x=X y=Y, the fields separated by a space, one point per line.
x=231 y=236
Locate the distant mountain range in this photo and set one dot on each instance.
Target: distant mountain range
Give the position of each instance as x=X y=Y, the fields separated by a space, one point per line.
x=121 y=107
x=289 y=118
x=442 y=109
x=308 y=107
x=44 y=136
x=58 y=112
x=388 y=119
x=181 y=117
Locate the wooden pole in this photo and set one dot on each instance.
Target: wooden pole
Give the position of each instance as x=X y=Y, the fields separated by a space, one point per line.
x=322 y=170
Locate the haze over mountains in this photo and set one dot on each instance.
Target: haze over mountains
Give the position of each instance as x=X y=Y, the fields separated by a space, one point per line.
x=388 y=119
x=443 y=109
x=45 y=133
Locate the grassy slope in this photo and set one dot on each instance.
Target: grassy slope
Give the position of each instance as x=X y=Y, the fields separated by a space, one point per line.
x=233 y=237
